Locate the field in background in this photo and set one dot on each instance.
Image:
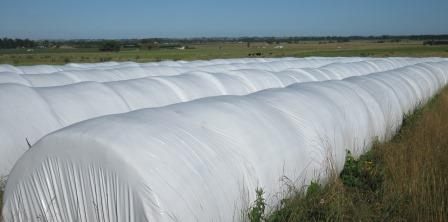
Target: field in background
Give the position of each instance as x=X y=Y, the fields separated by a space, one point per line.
x=408 y=48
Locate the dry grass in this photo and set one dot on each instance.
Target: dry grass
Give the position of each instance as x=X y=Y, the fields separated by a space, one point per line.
x=405 y=179
x=2 y=187
x=416 y=165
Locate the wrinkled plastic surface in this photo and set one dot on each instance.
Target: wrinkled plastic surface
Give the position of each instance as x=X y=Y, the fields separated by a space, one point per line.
x=202 y=160
x=27 y=114
x=47 y=75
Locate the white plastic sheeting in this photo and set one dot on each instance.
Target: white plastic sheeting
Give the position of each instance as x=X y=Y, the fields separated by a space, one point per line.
x=45 y=69
x=113 y=71
x=22 y=113
x=45 y=75
x=196 y=161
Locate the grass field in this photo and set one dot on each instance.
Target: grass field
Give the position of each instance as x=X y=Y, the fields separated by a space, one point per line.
x=405 y=179
x=223 y=50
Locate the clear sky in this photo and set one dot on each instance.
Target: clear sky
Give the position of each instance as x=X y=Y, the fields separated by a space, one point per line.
x=56 y=19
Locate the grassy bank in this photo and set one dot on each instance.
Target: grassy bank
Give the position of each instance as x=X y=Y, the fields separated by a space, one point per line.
x=405 y=179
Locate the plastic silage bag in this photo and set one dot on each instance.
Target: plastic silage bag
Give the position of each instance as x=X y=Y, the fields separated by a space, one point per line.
x=81 y=99
x=202 y=160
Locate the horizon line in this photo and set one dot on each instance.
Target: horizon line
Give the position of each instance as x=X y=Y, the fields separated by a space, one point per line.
x=238 y=37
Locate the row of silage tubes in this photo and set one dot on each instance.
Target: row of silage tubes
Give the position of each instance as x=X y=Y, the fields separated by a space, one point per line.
x=29 y=113
x=50 y=108
x=193 y=161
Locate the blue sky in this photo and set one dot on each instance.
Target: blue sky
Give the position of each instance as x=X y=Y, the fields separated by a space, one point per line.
x=55 y=19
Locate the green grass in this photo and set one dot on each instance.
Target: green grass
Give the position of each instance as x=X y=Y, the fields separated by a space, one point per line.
x=222 y=50
x=405 y=179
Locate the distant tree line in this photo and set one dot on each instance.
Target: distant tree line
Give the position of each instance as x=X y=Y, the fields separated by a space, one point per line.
x=7 y=43
x=293 y=39
x=170 y=43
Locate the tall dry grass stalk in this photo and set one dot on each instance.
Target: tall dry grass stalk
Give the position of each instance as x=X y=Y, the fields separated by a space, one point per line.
x=2 y=188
